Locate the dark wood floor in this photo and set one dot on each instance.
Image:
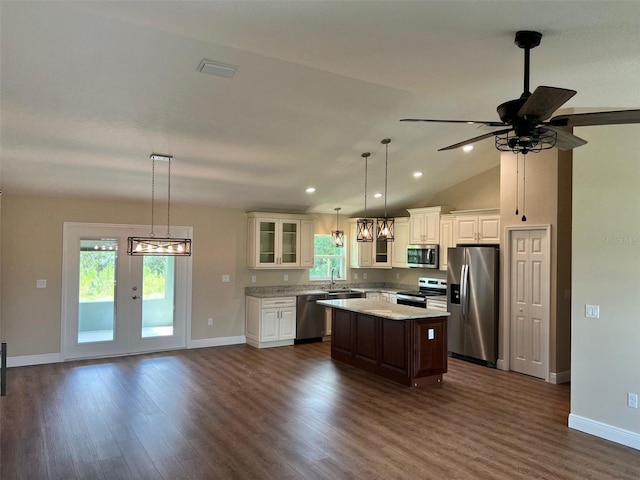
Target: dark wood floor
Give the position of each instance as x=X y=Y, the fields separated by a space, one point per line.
x=290 y=412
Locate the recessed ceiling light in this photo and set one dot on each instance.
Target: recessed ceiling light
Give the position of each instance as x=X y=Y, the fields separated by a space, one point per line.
x=310 y=189
x=377 y=195
x=216 y=68
x=467 y=148
x=417 y=174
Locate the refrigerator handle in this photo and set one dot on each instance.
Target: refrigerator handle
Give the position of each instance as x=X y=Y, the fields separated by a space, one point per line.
x=464 y=293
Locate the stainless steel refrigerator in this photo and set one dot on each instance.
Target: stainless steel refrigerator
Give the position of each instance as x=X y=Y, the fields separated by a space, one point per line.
x=472 y=300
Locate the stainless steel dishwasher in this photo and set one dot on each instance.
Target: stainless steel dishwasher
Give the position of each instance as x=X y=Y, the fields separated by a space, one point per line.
x=310 y=317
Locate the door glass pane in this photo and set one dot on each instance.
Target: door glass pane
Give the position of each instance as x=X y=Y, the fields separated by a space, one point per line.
x=96 y=304
x=289 y=242
x=158 y=281
x=267 y=242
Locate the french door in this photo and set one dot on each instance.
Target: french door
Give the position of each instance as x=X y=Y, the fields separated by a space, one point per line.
x=115 y=304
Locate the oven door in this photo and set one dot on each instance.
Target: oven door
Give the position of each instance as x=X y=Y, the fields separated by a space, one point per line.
x=411 y=300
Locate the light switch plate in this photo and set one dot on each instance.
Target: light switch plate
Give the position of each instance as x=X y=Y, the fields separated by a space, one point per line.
x=592 y=311
x=225 y=278
x=41 y=283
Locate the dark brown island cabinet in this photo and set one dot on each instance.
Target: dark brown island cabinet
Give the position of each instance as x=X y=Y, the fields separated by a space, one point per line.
x=407 y=345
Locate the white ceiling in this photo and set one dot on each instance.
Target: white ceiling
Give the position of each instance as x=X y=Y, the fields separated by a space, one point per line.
x=90 y=89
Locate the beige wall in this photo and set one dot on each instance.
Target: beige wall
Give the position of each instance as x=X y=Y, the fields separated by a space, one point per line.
x=547 y=201
x=481 y=191
x=606 y=272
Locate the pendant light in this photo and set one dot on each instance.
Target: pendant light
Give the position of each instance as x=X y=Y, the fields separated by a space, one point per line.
x=365 y=225
x=385 y=224
x=337 y=235
x=152 y=245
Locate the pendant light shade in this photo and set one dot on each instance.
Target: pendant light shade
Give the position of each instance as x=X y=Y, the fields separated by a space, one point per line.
x=337 y=235
x=365 y=225
x=385 y=224
x=152 y=245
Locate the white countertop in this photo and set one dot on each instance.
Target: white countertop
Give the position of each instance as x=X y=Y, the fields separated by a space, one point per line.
x=382 y=309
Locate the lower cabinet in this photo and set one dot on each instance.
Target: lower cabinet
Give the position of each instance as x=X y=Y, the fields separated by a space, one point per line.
x=270 y=322
x=410 y=352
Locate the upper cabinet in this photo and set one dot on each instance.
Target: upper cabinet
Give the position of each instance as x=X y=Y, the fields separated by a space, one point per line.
x=399 y=245
x=476 y=226
x=368 y=254
x=424 y=225
x=279 y=240
x=446 y=239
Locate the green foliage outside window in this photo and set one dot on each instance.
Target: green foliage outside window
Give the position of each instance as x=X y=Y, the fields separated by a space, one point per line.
x=327 y=256
x=98 y=276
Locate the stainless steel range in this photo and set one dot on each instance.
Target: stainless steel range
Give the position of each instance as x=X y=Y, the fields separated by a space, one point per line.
x=432 y=290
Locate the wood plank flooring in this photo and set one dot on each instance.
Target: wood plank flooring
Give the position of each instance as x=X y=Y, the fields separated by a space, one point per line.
x=289 y=413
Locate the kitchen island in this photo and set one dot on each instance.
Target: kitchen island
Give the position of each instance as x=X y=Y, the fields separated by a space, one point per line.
x=405 y=344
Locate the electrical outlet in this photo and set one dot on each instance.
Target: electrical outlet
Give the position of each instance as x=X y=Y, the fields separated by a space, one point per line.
x=210 y=322
x=592 y=311
x=397 y=276
x=253 y=279
x=286 y=277
x=431 y=334
x=355 y=276
x=364 y=275
x=632 y=400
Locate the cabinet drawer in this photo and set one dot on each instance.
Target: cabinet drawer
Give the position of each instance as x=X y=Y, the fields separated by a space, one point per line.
x=279 y=302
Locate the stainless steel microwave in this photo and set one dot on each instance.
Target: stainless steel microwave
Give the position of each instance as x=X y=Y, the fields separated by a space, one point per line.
x=423 y=256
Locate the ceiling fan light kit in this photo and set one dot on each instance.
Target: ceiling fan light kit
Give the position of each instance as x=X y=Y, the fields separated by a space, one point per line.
x=526 y=121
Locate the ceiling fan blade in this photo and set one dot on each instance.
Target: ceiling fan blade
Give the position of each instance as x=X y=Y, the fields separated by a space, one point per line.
x=597 y=118
x=544 y=101
x=470 y=122
x=564 y=139
x=475 y=139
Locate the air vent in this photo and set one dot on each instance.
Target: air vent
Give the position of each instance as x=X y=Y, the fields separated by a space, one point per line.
x=216 y=68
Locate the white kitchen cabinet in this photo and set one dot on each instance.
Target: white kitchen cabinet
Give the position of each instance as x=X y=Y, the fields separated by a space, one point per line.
x=399 y=245
x=446 y=239
x=307 y=230
x=476 y=227
x=279 y=241
x=424 y=225
x=373 y=296
x=368 y=254
x=270 y=322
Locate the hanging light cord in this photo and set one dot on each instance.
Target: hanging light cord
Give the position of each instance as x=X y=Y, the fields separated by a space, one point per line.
x=169 y=198
x=386 y=161
x=524 y=186
x=153 y=190
x=366 y=158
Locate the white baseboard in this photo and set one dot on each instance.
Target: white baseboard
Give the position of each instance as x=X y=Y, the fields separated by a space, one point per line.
x=603 y=430
x=216 y=342
x=26 y=360
x=560 y=377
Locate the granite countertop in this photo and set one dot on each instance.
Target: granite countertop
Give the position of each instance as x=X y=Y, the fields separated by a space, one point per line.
x=382 y=309
x=270 y=292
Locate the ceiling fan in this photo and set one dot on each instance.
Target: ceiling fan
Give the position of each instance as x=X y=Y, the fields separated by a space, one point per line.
x=526 y=122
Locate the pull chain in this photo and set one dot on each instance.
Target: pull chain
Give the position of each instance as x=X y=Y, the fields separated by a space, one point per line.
x=517 y=180
x=524 y=186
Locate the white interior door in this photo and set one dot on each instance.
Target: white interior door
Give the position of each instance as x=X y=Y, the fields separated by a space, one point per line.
x=529 y=304
x=115 y=304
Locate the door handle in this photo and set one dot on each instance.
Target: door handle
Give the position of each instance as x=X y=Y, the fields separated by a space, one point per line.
x=135 y=297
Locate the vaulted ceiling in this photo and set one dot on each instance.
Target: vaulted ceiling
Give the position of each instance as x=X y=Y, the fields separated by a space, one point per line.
x=89 y=89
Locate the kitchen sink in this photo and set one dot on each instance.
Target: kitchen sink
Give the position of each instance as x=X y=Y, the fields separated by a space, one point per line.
x=341 y=290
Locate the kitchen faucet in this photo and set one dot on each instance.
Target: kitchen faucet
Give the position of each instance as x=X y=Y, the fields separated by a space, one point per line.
x=334 y=270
